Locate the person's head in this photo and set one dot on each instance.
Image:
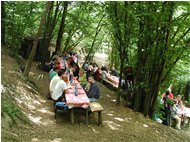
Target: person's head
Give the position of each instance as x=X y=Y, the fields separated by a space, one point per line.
x=65 y=53
x=81 y=72
x=56 y=68
x=54 y=53
x=167 y=94
x=55 y=58
x=91 y=79
x=179 y=97
x=75 y=65
x=61 y=72
x=71 y=53
x=64 y=77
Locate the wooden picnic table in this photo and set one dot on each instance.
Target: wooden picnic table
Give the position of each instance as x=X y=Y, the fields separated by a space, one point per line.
x=185 y=112
x=112 y=80
x=79 y=101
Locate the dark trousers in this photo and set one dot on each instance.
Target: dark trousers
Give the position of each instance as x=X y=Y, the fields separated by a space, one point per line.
x=60 y=99
x=167 y=116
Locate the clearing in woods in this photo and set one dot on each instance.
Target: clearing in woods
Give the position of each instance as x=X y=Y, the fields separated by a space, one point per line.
x=119 y=122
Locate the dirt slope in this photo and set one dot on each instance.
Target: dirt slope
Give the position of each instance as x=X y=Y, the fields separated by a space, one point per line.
x=119 y=122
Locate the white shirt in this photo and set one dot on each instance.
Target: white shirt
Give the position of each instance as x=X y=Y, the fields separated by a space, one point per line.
x=59 y=88
x=53 y=83
x=90 y=67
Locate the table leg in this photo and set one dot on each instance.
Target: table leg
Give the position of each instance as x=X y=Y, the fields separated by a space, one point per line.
x=100 y=118
x=86 y=115
x=72 y=116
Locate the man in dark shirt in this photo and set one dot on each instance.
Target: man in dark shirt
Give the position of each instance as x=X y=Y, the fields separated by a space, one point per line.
x=114 y=72
x=94 y=92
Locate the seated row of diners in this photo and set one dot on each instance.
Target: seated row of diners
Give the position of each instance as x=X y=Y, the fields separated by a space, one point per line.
x=69 y=84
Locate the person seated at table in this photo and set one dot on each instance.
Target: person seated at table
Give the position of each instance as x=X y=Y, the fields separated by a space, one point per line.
x=65 y=55
x=94 y=92
x=114 y=72
x=76 y=70
x=85 y=67
x=104 y=72
x=82 y=78
x=55 y=80
x=176 y=117
x=179 y=102
x=53 y=72
x=89 y=71
x=180 y=106
x=58 y=94
x=98 y=74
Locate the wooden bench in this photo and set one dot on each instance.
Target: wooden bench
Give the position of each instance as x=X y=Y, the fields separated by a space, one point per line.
x=96 y=107
x=60 y=106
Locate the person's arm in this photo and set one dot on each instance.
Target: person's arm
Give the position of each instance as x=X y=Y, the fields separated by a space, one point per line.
x=97 y=93
x=92 y=91
x=163 y=95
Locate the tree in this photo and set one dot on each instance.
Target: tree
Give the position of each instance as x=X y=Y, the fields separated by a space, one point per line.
x=62 y=26
x=2 y=22
x=48 y=32
x=35 y=43
x=98 y=29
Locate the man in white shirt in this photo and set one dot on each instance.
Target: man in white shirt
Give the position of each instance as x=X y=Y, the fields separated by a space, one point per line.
x=61 y=87
x=55 y=80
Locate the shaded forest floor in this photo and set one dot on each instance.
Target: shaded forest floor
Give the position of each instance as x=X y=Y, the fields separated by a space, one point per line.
x=119 y=122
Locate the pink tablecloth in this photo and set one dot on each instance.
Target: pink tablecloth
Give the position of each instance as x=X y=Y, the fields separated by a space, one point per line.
x=113 y=79
x=81 y=100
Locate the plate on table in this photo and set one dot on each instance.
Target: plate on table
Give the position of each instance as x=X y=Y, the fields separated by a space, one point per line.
x=80 y=88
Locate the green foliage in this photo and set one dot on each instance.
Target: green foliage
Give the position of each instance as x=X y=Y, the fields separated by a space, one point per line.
x=22 y=19
x=159 y=109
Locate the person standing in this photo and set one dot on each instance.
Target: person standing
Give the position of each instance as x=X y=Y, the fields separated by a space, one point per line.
x=167 y=108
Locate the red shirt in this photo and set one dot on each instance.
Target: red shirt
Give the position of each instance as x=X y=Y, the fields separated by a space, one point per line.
x=171 y=95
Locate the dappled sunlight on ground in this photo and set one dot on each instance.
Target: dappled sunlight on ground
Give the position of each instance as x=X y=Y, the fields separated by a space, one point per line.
x=36 y=120
x=43 y=140
x=112 y=125
x=119 y=119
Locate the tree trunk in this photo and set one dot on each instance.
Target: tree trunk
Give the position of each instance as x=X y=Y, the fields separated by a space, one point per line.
x=62 y=27
x=35 y=43
x=3 y=22
x=50 y=26
x=187 y=92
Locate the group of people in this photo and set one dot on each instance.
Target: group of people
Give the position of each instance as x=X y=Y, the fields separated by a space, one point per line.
x=171 y=108
x=63 y=71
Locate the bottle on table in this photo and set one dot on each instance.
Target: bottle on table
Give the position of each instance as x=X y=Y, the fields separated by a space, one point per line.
x=76 y=90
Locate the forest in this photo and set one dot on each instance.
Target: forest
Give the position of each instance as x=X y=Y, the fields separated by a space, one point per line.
x=151 y=37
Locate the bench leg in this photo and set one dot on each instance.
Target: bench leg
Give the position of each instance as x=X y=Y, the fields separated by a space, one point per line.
x=86 y=115
x=55 y=112
x=100 y=118
x=72 y=115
